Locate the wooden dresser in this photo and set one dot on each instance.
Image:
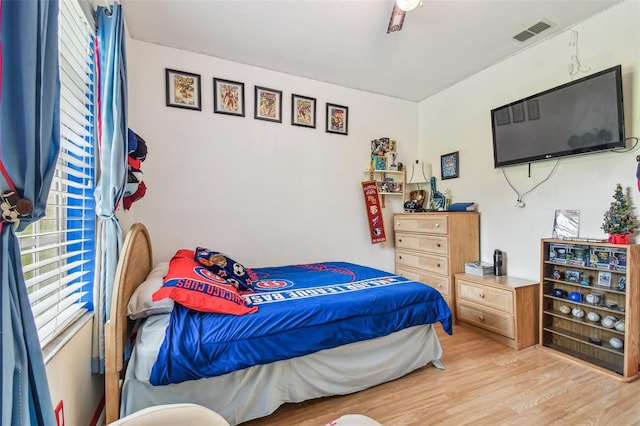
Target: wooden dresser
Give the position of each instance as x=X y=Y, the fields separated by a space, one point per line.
x=432 y=247
x=502 y=308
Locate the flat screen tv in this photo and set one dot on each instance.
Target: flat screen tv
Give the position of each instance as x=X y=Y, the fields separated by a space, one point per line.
x=579 y=117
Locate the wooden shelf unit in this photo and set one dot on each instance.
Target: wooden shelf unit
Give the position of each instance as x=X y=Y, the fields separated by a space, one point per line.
x=569 y=336
x=380 y=176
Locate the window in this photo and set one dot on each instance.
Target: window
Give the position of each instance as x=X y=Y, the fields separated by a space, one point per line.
x=58 y=250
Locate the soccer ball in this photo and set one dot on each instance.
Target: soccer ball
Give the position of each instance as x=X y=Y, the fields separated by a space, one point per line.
x=234 y=283
x=238 y=269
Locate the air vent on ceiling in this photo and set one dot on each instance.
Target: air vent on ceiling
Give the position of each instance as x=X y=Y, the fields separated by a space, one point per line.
x=532 y=30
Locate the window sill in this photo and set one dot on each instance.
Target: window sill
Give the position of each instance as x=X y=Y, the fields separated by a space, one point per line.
x=52 y=348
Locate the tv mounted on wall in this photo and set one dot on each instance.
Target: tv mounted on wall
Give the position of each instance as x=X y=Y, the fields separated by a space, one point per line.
x=579 y=117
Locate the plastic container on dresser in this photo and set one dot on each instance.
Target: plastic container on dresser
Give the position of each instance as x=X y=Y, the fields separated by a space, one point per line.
x=590 y=304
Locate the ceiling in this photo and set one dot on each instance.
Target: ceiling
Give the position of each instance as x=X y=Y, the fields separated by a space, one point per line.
x=346 y=42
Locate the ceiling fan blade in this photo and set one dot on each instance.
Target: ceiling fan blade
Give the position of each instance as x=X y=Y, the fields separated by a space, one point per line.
x=397 y=19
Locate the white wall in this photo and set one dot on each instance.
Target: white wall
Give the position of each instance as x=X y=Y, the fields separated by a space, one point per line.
x=264 y=193
x=458 y=119
x=70 y=378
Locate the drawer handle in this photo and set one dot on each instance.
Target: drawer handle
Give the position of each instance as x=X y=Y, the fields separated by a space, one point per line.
x=437 y=225
x=438 y=245
x=398 y=223
x=400 y=240
x=481 y=295
x=438 y=265
x=481 y=318
x=399 y=257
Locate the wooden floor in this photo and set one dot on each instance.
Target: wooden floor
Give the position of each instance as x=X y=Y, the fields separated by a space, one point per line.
x=485 y=383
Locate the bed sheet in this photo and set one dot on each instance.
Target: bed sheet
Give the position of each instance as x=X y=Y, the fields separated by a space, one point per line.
x=259 y=390
x=302 y=309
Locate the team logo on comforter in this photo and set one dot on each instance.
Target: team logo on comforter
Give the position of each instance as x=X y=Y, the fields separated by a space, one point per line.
x=271 y=285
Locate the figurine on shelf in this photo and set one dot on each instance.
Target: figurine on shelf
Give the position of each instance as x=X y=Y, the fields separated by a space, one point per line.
x=393 y=165
x=438 y=199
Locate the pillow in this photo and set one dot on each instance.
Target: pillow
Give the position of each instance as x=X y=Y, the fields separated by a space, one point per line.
x=223 y=266
x=141 y=305
x=194 y=286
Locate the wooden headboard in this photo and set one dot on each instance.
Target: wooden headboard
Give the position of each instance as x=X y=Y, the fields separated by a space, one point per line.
x=136 y=261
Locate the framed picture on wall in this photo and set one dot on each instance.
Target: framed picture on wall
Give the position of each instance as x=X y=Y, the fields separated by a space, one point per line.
x=183 y=89
x=337 y=119
x=228 y=97
x=268 y=104
x=450 y=165
x=303 y=111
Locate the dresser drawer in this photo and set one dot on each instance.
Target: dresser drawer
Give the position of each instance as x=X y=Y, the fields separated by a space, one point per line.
x=427 y=262
x=486 y=318
x=495 y=298
x=430 y=243
x=439 y=282
x=430 y=223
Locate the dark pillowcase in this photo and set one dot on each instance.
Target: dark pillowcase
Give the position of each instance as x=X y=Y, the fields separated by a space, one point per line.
x=222 y=265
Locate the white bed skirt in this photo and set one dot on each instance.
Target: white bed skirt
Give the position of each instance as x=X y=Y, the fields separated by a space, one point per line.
x=258 y=391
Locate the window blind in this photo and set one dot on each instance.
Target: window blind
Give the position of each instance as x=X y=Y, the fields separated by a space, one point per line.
x=58 y=250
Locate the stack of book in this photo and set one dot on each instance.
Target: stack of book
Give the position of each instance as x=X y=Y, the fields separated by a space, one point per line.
x=478 y=268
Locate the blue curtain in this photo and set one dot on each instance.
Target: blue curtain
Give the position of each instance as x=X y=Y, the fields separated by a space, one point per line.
x=29 y=146
x=112 y=139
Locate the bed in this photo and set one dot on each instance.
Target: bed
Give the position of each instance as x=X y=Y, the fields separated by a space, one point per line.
x=392 y=346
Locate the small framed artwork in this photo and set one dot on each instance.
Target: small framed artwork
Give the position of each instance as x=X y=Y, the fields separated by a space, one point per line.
x=604 y=279
x=533 y=110
x=502 y=116
x=268 y=104
x=518 y=112
x=183 y=89
x=303 y=111
x=228 y=97
x=337 y=119
x=450 y=165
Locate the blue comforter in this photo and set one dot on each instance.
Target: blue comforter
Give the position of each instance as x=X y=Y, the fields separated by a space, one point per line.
x=302 y=309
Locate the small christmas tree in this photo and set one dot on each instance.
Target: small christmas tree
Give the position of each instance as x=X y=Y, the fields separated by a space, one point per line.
x=619 y=219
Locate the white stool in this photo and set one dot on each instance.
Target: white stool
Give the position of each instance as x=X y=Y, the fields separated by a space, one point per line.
x=173 y=414
x=353 y=420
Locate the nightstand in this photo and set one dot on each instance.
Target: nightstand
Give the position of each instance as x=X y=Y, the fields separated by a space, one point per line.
x=501 y=307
